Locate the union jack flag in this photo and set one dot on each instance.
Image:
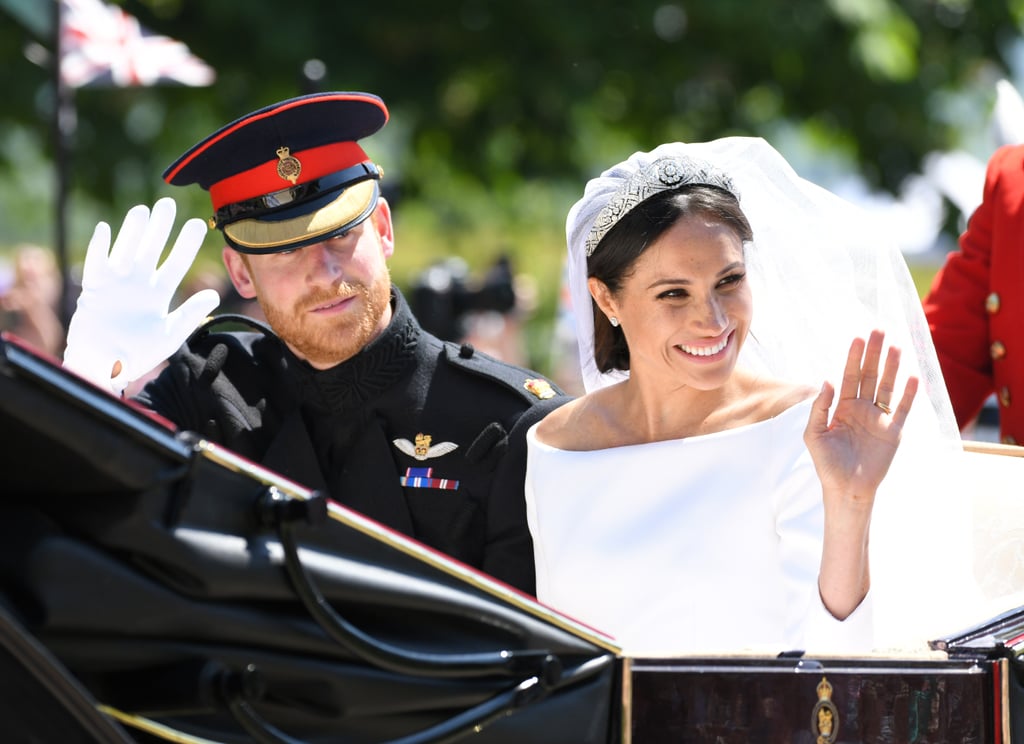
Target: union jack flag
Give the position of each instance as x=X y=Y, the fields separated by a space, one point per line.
x=103 y=45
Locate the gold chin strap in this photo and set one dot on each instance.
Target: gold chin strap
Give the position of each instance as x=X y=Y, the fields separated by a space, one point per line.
x=349 y=206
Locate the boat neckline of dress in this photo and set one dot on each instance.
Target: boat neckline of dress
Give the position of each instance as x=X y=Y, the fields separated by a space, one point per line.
x=531 y=433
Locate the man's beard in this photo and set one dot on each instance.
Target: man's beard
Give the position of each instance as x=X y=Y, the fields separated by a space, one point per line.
x=327 y=342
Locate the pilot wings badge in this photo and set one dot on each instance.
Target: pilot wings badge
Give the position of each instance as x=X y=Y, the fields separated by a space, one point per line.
x=422 y=449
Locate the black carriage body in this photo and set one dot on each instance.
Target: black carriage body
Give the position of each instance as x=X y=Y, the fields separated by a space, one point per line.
x=155 y=587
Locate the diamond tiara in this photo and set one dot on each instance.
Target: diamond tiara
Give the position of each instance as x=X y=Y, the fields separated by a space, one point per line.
x=663 y=174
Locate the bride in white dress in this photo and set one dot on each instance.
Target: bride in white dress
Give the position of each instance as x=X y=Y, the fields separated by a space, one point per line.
x=713 y=491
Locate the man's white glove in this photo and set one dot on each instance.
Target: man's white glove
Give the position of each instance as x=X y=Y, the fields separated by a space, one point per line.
x=121 y=328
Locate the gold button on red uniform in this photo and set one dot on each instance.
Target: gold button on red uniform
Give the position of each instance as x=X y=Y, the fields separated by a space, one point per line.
x=992 y=303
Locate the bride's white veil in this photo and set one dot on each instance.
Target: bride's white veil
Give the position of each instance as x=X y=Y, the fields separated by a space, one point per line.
x=821 y=273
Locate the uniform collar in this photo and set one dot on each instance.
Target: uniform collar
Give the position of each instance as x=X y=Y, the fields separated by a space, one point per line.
x=383 y=362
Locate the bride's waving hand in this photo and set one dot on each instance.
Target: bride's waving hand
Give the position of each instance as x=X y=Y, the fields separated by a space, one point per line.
x=851 y=455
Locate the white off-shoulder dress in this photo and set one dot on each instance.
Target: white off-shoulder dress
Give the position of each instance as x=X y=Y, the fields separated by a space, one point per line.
x=709 y=543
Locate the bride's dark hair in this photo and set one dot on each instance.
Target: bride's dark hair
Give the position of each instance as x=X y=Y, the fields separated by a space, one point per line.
x=613 y=259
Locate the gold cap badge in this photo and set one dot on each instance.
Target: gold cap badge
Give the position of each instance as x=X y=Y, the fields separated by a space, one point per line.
x=288 y=167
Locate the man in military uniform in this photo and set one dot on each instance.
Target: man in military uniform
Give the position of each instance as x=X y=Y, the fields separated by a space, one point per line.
x=975 y=307
x=344 y=392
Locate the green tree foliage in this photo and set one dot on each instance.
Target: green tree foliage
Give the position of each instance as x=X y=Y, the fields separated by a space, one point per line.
x=506 y=92
x=500 y=110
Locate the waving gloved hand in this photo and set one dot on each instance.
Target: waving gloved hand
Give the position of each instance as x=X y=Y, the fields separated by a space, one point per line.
x=122 y=327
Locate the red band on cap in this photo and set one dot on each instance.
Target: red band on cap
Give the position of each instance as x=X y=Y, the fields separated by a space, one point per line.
x=316 y=162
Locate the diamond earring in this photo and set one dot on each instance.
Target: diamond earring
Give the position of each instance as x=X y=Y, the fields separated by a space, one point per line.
x=614 y=321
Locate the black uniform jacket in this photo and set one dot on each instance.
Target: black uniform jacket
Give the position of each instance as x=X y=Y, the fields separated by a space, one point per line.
x=424 y=436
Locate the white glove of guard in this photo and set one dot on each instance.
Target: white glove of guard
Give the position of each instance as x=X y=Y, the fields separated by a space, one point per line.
x=122 y=313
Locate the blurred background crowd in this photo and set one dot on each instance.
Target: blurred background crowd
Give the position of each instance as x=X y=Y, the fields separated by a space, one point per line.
x=499 y=113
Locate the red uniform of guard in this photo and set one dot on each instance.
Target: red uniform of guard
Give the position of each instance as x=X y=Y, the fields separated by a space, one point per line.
x=975 y=307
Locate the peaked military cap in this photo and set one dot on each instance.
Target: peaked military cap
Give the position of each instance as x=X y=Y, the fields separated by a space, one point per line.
x=290 y=174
